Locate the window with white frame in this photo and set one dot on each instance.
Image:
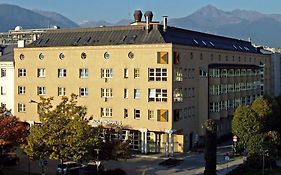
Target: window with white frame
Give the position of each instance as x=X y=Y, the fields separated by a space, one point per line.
x=41 y=72
x=21 y=90
x=3 y=72
x=203 y=72
x=178 y=75
x=106 y=73
x=137 y=114
x=177 y=95
x=61 y=72
x=83 y=72
x=106 y=112
x=231 y=72
x=223 y=88
x=230 y=88
x=126 y=93
x=21 y=107
x=21 y=72
x=157 y=74
x=223 y=72
x=157 y=95
x=137 y=93
x=126 y=73
x=41 y=90
x=151 y=115
x=61 y=91
x=237 y=72
x=243 y=86
x=237 y=87
x=136 y=73
x=83 y=91
x=106 y=92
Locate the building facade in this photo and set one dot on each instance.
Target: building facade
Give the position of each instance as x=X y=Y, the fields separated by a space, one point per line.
x=19 y=34
x=276 y=68
x=160 y=83
x=7 y=77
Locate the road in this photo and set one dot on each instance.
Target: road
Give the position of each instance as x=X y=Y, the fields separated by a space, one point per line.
x=193 y=164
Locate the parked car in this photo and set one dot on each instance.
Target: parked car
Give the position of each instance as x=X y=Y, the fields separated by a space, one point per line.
x=91 y=169
x=68 y=168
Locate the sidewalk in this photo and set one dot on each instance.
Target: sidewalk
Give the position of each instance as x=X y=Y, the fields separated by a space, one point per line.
x=222 y=168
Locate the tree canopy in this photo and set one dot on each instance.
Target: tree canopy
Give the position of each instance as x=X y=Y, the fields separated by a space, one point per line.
x=64 y=132
x=12 y=131
x=253 y=126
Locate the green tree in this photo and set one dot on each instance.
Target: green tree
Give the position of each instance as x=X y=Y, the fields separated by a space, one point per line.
x=64 y=132
x=210 y=147
x=245 y=124
x=262 y=107
x=254 y=126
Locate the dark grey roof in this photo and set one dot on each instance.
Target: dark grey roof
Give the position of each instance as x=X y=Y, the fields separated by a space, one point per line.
x=99 y=36
x=139 y=35
x=7 y=52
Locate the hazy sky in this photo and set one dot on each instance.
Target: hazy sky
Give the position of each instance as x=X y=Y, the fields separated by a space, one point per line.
x=114 y=10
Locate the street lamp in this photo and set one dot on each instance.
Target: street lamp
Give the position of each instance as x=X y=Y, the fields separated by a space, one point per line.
x=97 y=161
x=264 y=153
x=30 y=101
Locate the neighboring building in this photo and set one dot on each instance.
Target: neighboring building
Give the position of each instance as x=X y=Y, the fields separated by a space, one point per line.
x=27 y=35
x=160 y=83
x=7 y=76
x=8 y=41
x=275 y=69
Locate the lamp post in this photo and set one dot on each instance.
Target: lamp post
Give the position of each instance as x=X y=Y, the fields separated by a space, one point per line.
x=264 y=153
x=235 y=138
x=98 y=162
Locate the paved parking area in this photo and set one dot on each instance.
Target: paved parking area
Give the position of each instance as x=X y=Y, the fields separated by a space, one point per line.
x=193 y=163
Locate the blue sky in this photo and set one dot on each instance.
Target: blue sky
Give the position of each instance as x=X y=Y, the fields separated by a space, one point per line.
x=114 y=10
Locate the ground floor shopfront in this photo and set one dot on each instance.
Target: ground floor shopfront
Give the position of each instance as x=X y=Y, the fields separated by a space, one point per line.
x=146 y=141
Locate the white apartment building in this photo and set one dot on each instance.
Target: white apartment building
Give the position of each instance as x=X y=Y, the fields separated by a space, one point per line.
x=7 y=76
x=276 y=68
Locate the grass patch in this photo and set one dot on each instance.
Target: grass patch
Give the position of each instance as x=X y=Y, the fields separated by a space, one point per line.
x=14 y=172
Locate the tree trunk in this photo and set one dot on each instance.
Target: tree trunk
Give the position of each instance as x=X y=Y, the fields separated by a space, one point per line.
x=210 y=148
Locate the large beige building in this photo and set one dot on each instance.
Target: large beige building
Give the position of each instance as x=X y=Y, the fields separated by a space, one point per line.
x=160 y=83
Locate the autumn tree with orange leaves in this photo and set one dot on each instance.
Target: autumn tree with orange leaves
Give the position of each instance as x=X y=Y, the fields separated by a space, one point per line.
x=12 y=131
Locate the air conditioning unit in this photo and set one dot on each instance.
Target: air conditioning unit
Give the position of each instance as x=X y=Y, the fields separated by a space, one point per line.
x=105 y=79
x=105 y=99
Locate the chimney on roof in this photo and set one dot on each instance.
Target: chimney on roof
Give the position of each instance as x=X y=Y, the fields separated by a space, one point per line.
x=148 y=15
x=148 y=19
x=165 y=23
x=138 y=15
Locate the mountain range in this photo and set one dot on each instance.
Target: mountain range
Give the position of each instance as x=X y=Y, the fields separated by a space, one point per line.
x=262 y=28
x=12 y=16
